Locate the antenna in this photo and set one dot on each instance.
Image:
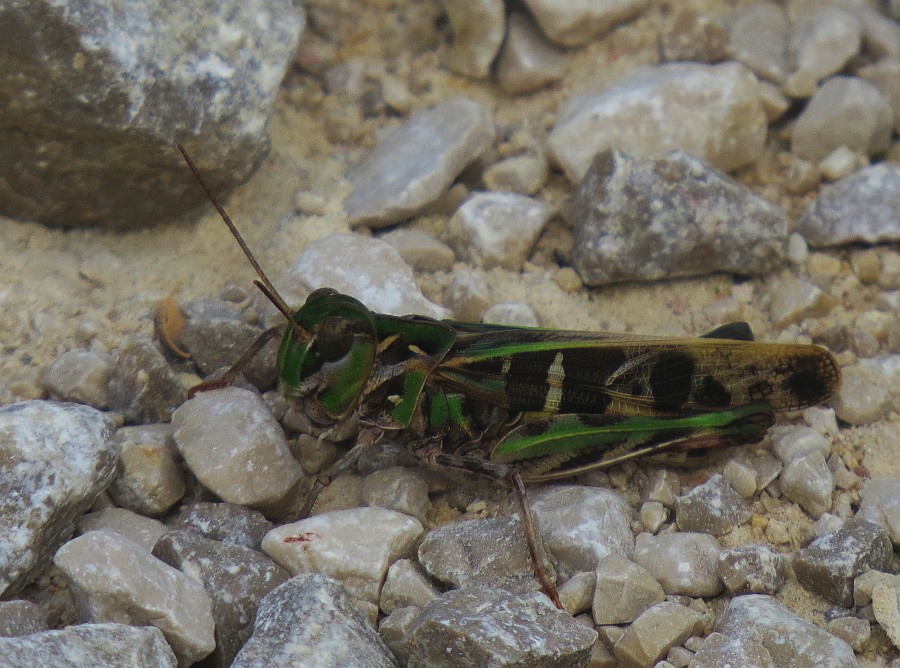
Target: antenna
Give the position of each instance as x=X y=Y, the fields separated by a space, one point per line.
x=265 y=285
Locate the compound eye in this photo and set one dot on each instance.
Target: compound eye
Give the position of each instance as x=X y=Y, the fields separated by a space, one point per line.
x=334 y=338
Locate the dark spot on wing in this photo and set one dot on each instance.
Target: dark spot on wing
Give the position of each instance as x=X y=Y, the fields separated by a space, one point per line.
x=712 y=393
x=670 y=380
x=806 y=385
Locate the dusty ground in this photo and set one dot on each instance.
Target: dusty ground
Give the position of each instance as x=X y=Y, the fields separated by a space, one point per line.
x=64 y=290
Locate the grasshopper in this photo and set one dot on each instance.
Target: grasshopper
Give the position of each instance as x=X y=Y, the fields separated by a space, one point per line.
x=522 y=404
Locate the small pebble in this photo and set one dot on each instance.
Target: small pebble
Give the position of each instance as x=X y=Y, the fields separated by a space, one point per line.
x=852 y=630
x=81 y=376
x=863 y=396
x=741 y=476
x=662 y=486
x=468 y=295
x=568 y=279
x=718 y=650
x=229 y=523
x=654 y=633
x=482 y=551
x=889 y=277
x=653 y=514
x=237 y=450
x=683 y=563
x=801 y=177
x=752 y=569
x=830 y=564
x=516 y=314
x=56 y=460
x=886 y=606
x=394 y=629
x=845 y=111
x=413 y=165
x=776 y=105
x=397 y=488
x=778 y=532
x=822 y=268
x=880 y=503
x=768 y=469
x=344 y=493
x=842 y=162
x=860 y=207
x=582 y=525
x=885 y=76
x=143 y=387
x=481 y=626
x=397 y=95
x=844 y=478
x=496 y=229
x=420 y=250
x=822 y=419
x=758 y=38
x=679 y=657
x=310 y=203
x=478 y=30
x=114 y=579
x=355 y=546
x=623 y=591
x=527 y=61
x=380 y=278
x=704 y=105
x=577 y=593
x=522 y=174
x=144 y=531
x=21 y=618
x=822 y=42
x=865 y=583
x=216 y=336
x=807 y=481
x=790 y=442
x=406 y=584
x=694 y=37
x=311 y=620
x=881 y=35
x=235 y=577
x=793 y=300
x=148 y=479
x=759 y=621
x=639 y=218
x=99 y=645
x=314 y=454
x=574 y=24
x=713 y=507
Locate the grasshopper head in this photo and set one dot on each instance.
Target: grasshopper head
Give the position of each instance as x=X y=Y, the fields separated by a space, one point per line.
x=329 y=368
x=328 y=349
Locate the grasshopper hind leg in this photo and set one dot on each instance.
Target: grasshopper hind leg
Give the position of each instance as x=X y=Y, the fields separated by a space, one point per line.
x=509 y=475
x=532 y=538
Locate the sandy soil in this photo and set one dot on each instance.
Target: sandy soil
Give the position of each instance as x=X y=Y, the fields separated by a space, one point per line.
x=64 y=290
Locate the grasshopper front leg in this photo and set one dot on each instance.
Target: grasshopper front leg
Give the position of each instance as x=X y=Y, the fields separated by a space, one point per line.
x=229 y=376
x=367 y=438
